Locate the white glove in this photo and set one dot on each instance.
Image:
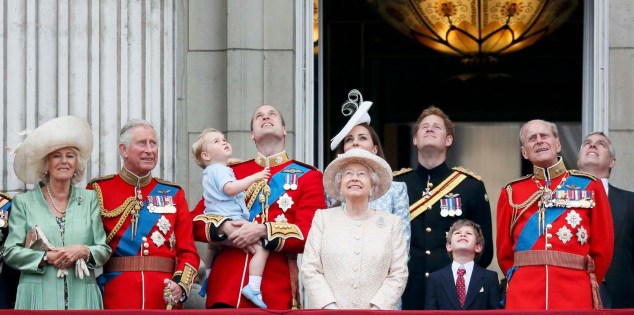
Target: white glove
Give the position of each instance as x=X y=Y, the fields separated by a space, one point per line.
x=81 y=269
x=61 y=273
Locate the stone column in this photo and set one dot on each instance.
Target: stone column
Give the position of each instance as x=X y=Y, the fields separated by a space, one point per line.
x=621 y=94
x=240 y=54
x=107 y=61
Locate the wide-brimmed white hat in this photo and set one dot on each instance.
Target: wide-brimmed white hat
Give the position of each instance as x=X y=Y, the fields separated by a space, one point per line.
x=57 y=133
x=356 y=155
x=359 y=116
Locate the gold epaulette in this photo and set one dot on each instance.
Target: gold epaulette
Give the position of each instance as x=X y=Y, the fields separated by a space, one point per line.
x=5 y=196
x=98 y=179
x=582 y=173
x=402 y=171
x=167 y=182
x=519 y=179
x=466 y=172
x=306 y=165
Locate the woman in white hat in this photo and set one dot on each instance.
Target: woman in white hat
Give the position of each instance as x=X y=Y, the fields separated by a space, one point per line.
x=355 y=256
x=357 y=133
x=58 y=271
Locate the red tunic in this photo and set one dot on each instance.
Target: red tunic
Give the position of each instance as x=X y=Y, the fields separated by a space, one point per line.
x=229 y=271
x=581 y=231
x=144 y=289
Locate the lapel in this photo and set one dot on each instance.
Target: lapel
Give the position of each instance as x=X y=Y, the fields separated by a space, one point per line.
x=449 y=286
x=617 y=199
x=475 y=284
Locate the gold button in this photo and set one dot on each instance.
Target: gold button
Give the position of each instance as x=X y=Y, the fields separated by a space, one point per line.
x=146 y=252
x=549 y=226
x=549 y=246
x=426 y=274
x=428 y=230
x=548 y=235
x=144 y=239
x=427 y=253
x=146 y=245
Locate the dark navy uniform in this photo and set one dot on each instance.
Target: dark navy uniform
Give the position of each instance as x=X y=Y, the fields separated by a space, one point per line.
x=8 y=277
x=453 y=194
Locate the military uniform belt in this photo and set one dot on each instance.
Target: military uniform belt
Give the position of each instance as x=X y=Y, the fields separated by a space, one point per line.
x=561 y=259
x=140 y=263
x=550 y=258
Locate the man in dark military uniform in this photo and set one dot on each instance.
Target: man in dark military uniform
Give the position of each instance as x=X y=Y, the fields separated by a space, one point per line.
x=438 y=197
x=8 y=277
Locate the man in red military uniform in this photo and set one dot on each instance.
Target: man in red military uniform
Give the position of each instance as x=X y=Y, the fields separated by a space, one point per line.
x=147 y=223
x=281 y=211
x=555 y=238
x=9 y=277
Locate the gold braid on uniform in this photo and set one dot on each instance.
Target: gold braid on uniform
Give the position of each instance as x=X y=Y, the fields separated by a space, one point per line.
x=123 y=210
x=5 y=196
x=467 y=172
x=210 y=220
x=254 y=189
x=186 y=277
x=518 y=210
x=582 y=173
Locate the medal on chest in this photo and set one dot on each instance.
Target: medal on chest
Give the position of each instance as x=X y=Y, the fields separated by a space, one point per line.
x=451 y=205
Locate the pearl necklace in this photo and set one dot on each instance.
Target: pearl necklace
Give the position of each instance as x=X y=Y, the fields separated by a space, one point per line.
x=361 y=218
x=48 y=190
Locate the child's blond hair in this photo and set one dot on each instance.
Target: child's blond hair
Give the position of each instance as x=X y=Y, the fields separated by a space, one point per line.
x=199 y=146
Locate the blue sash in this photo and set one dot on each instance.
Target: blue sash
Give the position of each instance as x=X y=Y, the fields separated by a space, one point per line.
x=147 y=220
x=276 y=183
x=529 y=235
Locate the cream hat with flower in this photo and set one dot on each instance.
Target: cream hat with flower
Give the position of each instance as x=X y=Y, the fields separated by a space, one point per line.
x=372 y=161
x=57 y=133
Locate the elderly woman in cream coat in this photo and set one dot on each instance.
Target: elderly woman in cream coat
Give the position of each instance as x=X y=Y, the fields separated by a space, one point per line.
x=59 y=275
x=355 y=256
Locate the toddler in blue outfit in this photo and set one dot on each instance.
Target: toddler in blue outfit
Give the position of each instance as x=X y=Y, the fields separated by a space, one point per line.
x=224 y=195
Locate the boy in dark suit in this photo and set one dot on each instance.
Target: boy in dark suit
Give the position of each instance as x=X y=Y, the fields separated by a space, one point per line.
x=463 y=285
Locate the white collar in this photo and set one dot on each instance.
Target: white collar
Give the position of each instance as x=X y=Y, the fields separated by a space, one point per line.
x=468 y=266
